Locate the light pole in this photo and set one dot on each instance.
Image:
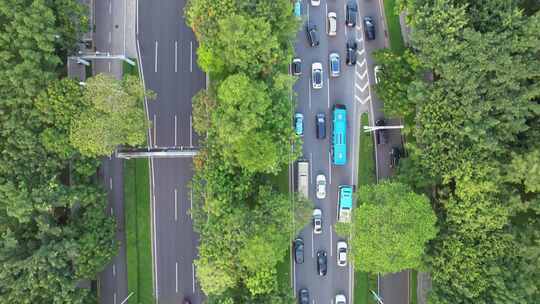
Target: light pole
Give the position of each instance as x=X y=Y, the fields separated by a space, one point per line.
x=126 y=298
x=377 y=297
x=375 y=128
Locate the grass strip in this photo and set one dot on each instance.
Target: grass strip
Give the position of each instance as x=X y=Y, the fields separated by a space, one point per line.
x=366 y=156
x=394 y=28
x=413 y=287
x=138 y=241
x=364 y=282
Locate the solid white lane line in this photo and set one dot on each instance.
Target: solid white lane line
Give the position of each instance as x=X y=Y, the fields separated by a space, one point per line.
x=155 y=56
x=110 y=7
x=112 y=211
x=110 y=183
x=114 y=298
x=175 y=130
x=331 y=243
x=155 y=127
x=312 y=249
x=193 y=275
x=328 y=91
x=191 y=56
x=175 y=205
x=330 y=168
x=309 y=96
x=125 y=12
x=175 y=56
x=191 y=202
x=109 y=66
x=311 y=168
x=110 y=37
x=190 y=131
x=137 y=19
x=176 y=276
x=114 y=270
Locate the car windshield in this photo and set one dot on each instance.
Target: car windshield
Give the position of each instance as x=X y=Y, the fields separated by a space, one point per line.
x=335 y=65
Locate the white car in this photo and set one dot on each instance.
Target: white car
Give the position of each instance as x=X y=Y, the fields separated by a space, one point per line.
x=320 y=181
x=377 y=71
x=332 y=24
x=315 y=2
x=341 y=299
x=341 y=254
x=317 y=221
x=317 y=75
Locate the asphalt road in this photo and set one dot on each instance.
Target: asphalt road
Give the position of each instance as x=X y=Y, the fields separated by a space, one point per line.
x=352 y=88
x=317 y=152
x=167 y=53
x=109 y=38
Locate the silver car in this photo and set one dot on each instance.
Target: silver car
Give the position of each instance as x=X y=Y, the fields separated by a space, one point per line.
x=320 y=181
x=317 y=221
x=332 y=24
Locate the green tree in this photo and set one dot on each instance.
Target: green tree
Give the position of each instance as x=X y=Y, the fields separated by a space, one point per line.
x=248 y=45
x=115 y=116
x=391 y=227
x=396 y=75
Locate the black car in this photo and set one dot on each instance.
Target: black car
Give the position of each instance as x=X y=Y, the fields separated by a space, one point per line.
x=352 y=46
x=351 y=12
x=299 y=251
x=312 y=34
x=321 y=262
x=380 y=135
x=303 y=296
x=297 y=66
x=369 y=27
x=320 y=123
x=395 y=155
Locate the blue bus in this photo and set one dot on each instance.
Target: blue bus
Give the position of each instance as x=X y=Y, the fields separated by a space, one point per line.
x=339 y=135
x=345 y=200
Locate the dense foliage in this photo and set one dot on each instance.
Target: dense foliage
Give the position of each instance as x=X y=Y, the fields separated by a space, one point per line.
x=390 y=228
x=110 y=102
x=474 y=144
x=53 y=228
x=245 y=224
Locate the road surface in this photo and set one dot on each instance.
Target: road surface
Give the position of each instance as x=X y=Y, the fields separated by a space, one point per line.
x=352 y=88
x=167 y=53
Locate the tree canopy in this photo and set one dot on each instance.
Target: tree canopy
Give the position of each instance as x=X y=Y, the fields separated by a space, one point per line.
x=473 y=144
x=391 y=227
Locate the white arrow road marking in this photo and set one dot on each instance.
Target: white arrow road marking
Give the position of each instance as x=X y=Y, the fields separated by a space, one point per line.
x=363 y=75
x=364 y=87
x=363 y=62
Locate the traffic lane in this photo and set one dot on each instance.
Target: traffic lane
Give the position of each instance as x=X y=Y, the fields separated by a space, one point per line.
x=186 y=246
x=394 y=288
x=164 y=239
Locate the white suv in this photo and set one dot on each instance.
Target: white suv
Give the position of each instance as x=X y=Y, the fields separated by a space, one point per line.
x=317 y=221
x=341 y=253
x=315 y=2
x=320 y=181
x=317 y=75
